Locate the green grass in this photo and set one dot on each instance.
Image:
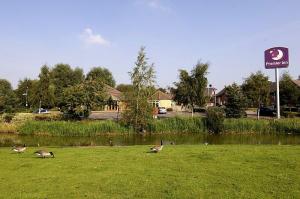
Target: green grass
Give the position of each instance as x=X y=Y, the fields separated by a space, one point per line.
x=168 y=125
x=71 y=128
x=224 y=171
x=178 y=125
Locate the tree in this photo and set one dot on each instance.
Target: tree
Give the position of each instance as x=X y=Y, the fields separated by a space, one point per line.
x=24 y=92
x=63 y=76
x=289 y=91
x=256 y=89
x=235 y=105
x=190 y=90
x=81 y=98
x=139 y=111
x=43 y=91
x=7 y=97
x=124 y=88
x=103 y=74
x=215 y=119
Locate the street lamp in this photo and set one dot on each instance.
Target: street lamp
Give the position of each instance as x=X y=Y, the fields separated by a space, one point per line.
x=26 y=97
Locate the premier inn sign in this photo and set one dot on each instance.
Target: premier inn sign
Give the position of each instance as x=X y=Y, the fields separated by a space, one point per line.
x=277 y=57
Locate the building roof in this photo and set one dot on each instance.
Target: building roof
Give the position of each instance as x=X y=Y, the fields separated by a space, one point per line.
x=297 y=82
x=159 y=95
x=222 y=92
x=113 y=93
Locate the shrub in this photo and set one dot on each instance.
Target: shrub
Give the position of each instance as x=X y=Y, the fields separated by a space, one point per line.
x=7 y=117
x=215 y=119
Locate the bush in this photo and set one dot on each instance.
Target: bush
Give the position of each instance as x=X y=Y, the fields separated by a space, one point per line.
x=215 y=119
x=7 y=117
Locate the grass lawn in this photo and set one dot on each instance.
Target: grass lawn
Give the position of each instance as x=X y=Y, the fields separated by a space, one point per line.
x=182 y=171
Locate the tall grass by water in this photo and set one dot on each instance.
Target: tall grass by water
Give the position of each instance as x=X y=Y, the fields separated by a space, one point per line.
x=178 y=125
x=71 y=128
x=167 y=125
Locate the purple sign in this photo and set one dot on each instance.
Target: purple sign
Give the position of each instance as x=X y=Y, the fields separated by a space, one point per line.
x=277 y=57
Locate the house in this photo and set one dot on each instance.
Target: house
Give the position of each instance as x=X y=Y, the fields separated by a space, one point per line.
x=221 y=97
x=161 y=99
x=113 y=99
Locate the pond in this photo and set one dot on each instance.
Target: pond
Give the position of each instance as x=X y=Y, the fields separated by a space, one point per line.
x=8 y=140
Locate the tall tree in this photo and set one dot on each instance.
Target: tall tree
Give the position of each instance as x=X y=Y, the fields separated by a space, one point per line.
x=256 y=88
x=139 y=110
x=103 y=74
x=289 y=91
x=190 y=90
x=63 y=76
x=81 y=98
x=7 y=97
x=44 y=90
x=24 y=92
x=124 y=88
x=236 y=103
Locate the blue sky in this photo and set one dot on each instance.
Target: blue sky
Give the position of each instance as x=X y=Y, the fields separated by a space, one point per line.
x=231 y=35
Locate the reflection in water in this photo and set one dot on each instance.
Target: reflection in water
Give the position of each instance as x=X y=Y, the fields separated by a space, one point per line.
x=7 y=140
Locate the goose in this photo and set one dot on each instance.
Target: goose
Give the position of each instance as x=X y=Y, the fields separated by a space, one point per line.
x=157 y=148
x=111 y=142
x=19 y=149
x=44 y=154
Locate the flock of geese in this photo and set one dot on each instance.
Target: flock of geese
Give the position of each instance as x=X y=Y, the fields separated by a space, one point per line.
x=46 y=154
x=39 y=153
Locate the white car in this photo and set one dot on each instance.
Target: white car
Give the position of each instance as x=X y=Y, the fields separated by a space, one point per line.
x=162 y=110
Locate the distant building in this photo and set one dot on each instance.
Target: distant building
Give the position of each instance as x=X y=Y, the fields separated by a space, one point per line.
x=161 y=99
x=113 y=101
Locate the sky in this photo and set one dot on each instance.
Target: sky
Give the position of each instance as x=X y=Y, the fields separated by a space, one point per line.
x=230 y=35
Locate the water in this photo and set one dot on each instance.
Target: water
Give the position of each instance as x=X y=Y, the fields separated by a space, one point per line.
x=8 y=140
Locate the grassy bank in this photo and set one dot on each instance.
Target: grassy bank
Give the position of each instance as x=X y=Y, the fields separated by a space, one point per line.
x=168 y=125
x=227 y=171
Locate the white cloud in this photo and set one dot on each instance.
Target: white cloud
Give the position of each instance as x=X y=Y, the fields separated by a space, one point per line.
x=91 y=38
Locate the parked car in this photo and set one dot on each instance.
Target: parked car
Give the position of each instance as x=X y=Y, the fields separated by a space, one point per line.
x=41 y=111
x=267 y=111
x=162 y=110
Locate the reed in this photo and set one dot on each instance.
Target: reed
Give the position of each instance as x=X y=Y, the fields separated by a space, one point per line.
x=246 y=125
x=178 y=125
x=71 y=128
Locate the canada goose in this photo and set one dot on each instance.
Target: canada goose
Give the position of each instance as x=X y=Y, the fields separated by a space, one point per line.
x=111 y=142
x=19 y=149
x=158 y=148
x=44 y=154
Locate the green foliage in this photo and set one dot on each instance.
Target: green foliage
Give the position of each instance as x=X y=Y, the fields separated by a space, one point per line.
x=286 y=125
x=236 y=102
x=68 y=128
x=256 y=89
x=178 y=125
x=190 y=90
x=138 y=112
x=81 y=98
x=246 y=125
x=7 y=117
x=215 y=119
x=289 y=91
x=103 y=74
x=43 y=90
x=62 y=77
x=23 y=91
x=124 y=88
x=7 y=97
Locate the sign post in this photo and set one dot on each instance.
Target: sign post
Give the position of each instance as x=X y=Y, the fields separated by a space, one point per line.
x=275 y=58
